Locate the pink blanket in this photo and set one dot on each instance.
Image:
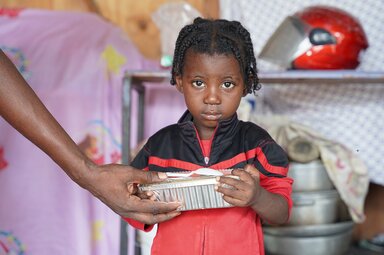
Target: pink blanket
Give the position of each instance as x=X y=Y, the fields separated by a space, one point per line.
x=75 y=63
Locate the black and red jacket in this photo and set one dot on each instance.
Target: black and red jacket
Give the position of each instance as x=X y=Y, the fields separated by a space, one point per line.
x=235 y=143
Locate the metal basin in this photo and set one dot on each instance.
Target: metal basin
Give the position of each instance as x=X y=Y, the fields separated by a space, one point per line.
x=329 y=239
x=311 y=230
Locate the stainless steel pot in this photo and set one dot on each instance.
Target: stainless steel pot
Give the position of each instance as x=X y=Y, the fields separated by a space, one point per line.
x=310 y=230
x=316 y=207
x=329 y=239
x=310 y=176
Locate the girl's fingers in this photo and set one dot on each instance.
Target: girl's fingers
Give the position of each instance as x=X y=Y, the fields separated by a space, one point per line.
x=243 y=183
x=229 y=181
x=243 y=175
x=233 y=201
x=237 y=194
x=252 y=171
x=232 y=196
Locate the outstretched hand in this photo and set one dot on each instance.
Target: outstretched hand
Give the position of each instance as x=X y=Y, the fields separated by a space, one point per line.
x=244 y=191
x=112 y=184
x=115 y=186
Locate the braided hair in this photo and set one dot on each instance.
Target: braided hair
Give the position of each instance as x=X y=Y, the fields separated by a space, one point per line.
x=217 y=37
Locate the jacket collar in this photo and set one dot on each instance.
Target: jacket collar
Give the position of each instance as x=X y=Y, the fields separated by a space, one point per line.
x=224 y=131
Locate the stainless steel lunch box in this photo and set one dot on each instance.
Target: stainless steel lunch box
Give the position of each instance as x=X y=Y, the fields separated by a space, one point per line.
x=194 y=192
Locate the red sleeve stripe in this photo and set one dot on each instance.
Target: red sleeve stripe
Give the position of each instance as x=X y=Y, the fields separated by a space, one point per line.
x=270 y=168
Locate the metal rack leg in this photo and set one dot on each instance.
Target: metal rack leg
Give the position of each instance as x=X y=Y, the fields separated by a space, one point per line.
x=127 y=233
x=126 y=141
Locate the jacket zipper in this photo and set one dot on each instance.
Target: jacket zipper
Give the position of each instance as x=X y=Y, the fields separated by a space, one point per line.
x=206 y=158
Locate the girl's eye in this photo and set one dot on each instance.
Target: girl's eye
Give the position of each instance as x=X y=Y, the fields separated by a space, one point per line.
x=197 y=83
x=228 y=85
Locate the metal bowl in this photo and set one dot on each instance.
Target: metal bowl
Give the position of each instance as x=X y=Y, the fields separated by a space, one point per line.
x=309 y=231
x=330 y=239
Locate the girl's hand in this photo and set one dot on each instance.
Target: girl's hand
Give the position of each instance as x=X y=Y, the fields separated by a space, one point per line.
x=243 y=192
x=271 y=207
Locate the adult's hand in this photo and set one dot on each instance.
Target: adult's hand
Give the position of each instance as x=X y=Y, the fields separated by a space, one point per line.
x=22 y=109
x=113 y=185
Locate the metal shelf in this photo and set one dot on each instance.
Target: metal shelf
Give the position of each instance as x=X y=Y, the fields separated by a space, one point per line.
x=286 y=77
x=134 y=80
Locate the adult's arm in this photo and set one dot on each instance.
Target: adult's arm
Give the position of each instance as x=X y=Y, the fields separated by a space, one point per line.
x=22 y=109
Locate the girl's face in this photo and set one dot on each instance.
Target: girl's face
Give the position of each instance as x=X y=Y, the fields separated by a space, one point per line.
x=213 y=86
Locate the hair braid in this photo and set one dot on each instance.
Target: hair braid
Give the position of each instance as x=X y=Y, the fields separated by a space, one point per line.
x=218 y=37
x=252 y=67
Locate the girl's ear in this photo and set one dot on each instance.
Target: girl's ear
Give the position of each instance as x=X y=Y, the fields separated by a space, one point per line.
x=179 y=84
x=245 y=92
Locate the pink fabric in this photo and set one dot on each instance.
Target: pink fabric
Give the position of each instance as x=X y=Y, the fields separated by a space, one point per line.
x=75 y=63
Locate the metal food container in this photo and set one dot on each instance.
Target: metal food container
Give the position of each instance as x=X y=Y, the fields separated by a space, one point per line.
x=194 y=192
x=311 y=176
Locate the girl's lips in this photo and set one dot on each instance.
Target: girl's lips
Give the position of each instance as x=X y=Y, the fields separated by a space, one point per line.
x=211 y=116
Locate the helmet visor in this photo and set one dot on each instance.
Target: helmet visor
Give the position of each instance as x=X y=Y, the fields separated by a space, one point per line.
x=288 y=41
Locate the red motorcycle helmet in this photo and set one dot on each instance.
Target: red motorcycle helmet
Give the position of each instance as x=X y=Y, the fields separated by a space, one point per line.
x=337 y=39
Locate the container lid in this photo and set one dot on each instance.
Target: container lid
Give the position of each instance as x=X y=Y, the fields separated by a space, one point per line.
x=305 y=166
x=181 y=182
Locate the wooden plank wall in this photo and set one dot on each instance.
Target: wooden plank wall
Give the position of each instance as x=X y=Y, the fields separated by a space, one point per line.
x=131 y=15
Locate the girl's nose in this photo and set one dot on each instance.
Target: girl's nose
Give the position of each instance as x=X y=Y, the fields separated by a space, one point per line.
x=212 y=95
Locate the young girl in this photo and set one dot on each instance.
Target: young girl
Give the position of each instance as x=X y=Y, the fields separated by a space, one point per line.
x=214 y=67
